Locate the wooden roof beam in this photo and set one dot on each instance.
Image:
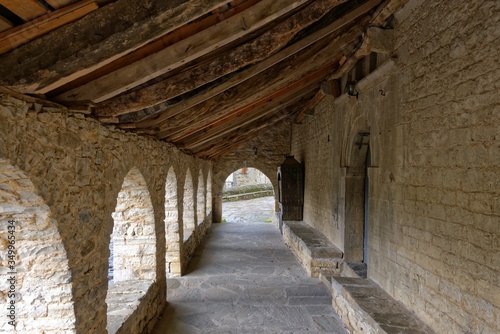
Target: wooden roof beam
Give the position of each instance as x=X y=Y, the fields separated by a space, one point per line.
x=243 y=135
x=116 y=29
x=167 y=111
x=227 y=126
x=247 y=106
x=179 y=34
x=327 y=88
x=183 y=52
x=241 y=96
x=233 y=142
x=311 y=68
x=25 y=9
x=257 y=50
x=22 y=34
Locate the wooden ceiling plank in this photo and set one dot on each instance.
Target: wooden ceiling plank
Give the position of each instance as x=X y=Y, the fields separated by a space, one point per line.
x=242 y=136
x=22 y=34
x=272 y=102
x=164 y=41
x=183 y=52
x=234 y=124
x=56 y=4
x=315 y=68
x=116 y=29
x=249 y=73
x=250 y=53
x=5 y=24
x=266 y=83
x=249 y=133
x=205 y=123
x=25 y=9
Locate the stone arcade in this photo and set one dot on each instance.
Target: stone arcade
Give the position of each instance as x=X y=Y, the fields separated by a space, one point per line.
x=120 y=120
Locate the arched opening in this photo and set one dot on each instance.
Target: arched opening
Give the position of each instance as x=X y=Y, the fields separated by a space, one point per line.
x=356 y=200
x=248 y=196
x=208 y=207
x=200 y=199
x=188 y=214
x=36 y=288
x=132 y=248
x=173 y=256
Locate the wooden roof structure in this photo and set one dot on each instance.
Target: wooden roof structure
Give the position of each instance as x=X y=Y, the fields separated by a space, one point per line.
x=204 y=75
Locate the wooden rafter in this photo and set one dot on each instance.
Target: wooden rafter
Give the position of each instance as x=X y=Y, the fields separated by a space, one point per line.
x=116 y=29
x=179 y=34
x=17 y=36
x=225 y=126
x=327 y=88
x=249 y=53
x=179 y=54
x=244 y=94
x=310 y=69
x=5 y=24
x=243 y=135
x=247 y=106
x=161 y=113
x=25 y=9
x=59 y=3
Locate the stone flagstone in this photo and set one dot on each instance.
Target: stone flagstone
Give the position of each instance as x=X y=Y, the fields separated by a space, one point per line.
x=244 y=279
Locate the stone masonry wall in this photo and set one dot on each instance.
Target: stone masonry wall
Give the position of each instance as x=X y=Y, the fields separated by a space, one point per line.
x=433 y=120
x=77 y=167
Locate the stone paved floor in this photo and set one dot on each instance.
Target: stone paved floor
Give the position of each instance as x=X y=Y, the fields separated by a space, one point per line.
x=250 y=210
x=243 y=279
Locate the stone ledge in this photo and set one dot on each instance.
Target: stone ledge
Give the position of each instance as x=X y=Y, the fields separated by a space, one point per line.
x=312 y=249
x=366 y=308
x=123 y=299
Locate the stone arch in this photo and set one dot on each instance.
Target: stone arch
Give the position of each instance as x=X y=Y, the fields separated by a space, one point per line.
x=172 y=234
x=188 y=214
x=224 y=171
x=200 y=199
x=132 y=248
x=246 y=171
x=133 y=237
x=42 y=293
x=208 y=205
x=349 y=156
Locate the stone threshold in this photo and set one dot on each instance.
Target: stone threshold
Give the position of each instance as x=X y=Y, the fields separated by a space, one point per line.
x=312 y=249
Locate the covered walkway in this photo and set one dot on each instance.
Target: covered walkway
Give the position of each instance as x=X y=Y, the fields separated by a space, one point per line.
x=244 y=279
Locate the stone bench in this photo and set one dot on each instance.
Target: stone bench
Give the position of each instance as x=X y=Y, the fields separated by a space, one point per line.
x=365 y=308
x=127 y=305
x=312 y=249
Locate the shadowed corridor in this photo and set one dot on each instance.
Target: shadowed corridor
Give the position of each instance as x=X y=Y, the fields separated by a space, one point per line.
x=244 y=279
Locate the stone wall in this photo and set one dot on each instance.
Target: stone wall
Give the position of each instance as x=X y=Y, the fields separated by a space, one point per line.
x=431 y=121
x=78 y=166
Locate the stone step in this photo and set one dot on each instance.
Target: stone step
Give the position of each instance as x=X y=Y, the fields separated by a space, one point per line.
x=366 y=308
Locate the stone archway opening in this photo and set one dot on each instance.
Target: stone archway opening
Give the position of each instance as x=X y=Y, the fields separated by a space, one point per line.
x=188 y=214
x=201 y=200
x=172 y=235
x=208 y=206
x=36 y=281
x=132 y=250
x=248 y=196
